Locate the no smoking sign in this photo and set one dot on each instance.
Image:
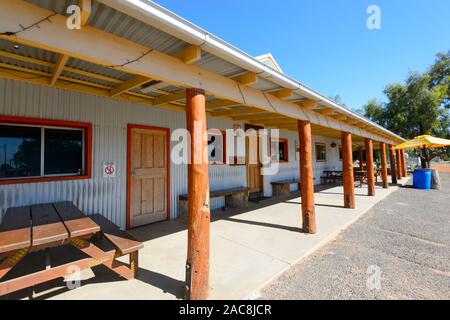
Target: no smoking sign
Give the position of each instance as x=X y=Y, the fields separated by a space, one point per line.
x=109 y=170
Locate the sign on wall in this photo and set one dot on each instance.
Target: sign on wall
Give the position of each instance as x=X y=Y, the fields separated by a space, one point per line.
x=109 y=169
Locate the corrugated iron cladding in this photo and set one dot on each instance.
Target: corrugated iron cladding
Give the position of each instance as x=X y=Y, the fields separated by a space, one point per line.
x=109 y=119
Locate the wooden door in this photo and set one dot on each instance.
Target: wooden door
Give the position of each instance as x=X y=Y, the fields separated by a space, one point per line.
x=254 y=177
x=148 y=176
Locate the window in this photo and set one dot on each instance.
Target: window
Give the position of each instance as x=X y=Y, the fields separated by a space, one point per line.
x=279 y=150
x=321 y=152
x=43 y=150
x=216 y=146
x=340 y=152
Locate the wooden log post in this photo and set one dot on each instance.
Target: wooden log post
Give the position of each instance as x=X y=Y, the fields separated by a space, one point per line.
x=404 y=170
x=347 y=170
x=399 y=166
x=384 y=175
x=393 y=167
x=197 y=264
x=369 y=168
x=360 y=153
x=306 y=177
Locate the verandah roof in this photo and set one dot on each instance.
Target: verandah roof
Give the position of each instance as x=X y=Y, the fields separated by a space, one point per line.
x=326 y=120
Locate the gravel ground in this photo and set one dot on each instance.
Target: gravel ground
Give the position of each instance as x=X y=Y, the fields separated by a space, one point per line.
x=406 y=237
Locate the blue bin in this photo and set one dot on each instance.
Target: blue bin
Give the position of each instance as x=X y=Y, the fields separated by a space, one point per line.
x=422 y=179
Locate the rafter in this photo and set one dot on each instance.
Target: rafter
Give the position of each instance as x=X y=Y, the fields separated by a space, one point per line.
x=307 y=104
x=190 y=55
x=134 y=82
x=340 y=117
x=325 y=111
x=86 y=8
x=170 y=98
x=247 y=78
x=58 y=68
x=282 y=93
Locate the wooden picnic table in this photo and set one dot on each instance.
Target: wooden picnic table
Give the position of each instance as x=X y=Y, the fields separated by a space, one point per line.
x=32 y=228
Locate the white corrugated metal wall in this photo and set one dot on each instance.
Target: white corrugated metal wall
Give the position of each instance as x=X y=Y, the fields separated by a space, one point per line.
x=109 y=119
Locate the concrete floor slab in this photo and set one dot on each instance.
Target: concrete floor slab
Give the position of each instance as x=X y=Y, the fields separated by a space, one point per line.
x=249 y=248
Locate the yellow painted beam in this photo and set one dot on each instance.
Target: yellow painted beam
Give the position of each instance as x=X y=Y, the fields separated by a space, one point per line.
x=58 y=68
x=260 y=116
x=75 y=85
x=134 y=82
x=221 y=104
x=86 y=8
x=247 y=78
x=190 y=55
x=282 y=93
x=232 y=112
x=170 y=98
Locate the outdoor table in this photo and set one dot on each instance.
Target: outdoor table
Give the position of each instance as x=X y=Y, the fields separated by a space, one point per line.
x=31 y=228
x=331 y=173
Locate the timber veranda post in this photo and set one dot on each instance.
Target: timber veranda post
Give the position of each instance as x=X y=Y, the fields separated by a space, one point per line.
x=399 y=166
x=384 y=175
x=392 y=161
x=347 y=170
x=197 y=264
x=370 y=168
x=306 y=177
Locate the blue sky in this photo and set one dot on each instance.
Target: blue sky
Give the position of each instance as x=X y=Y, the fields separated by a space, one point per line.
x=325 y=43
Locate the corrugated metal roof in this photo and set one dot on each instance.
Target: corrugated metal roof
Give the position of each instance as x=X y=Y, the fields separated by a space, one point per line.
x=28 y=51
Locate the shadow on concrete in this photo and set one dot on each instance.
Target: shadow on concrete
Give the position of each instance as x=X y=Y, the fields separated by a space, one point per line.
x=161 y=229
x=264 y=224
x=101 y=274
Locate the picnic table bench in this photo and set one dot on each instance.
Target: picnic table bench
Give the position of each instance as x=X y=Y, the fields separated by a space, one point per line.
x=334 y=175
x=45 y=226
x=234 y=198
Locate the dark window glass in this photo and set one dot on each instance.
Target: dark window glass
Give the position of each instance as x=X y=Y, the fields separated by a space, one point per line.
x=321 y=152
x=63 y=151
x=20 y=151
x=279 y=150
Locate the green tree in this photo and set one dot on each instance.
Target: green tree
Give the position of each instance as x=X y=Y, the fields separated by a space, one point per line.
x=419 y=106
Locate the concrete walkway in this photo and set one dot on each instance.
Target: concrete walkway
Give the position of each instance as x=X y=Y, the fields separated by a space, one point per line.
x=248 y=250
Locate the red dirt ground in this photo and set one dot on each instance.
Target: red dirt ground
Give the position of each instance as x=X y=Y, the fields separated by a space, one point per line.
x=444 y=168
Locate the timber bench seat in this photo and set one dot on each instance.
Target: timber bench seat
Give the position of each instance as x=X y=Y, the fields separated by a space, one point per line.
x=234 y=198
x=123 y=242
x=283 y=187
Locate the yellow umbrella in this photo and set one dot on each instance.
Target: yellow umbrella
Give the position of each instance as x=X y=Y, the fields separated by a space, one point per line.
x=423 y=142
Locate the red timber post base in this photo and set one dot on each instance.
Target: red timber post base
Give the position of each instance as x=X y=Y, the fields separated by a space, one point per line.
x=369 y=168
x=197 y=264
x=347 y=170
x=384 y=175
x=306 y=177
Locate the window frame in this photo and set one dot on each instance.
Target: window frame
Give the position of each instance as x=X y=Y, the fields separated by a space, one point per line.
x=317 y=154
x=215 y=132
x=53 y=124
x=286 y=149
